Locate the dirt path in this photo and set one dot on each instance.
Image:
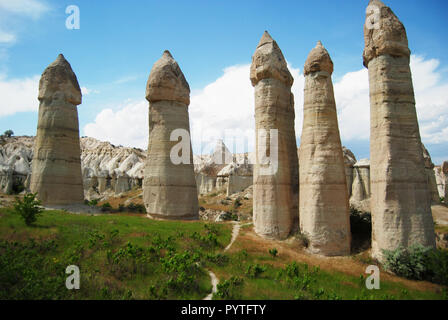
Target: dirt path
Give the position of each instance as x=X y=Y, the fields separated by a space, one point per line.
x=214 y=279
x=215 y=282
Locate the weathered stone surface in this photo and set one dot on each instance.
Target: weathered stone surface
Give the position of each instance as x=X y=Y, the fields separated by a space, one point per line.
x=169 y=190
x=324 y=203
x=275 y=196
x=384 y=34
x=349 y=161
x=401 y=206
x=360 y=199
x=431 y=176
x=56 y=167
x=441 y=173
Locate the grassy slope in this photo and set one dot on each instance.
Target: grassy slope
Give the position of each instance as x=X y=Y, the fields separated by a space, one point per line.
x=319 y=278
x=71 y=232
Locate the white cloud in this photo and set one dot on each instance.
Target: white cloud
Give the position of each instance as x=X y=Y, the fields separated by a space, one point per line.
x=127 y=126
x=228 y=104
x=352 y=99
x=6 y=37
x=13 y=16
x=29 y=8
x=86 y=91
x=18 y=95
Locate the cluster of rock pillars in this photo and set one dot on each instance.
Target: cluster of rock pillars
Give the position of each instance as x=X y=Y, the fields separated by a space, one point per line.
x=306 y=192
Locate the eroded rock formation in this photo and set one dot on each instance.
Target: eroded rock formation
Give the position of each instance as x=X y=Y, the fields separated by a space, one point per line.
x=169 y=190
x=56 y=167
x=275 y=192
x=401 y=206
x=324 y=202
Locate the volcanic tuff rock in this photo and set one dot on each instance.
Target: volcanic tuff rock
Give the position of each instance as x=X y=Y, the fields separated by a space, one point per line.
x=324 y=203
x=400 y=201
x=56 y=170
x=169 y=190
x=275 y=194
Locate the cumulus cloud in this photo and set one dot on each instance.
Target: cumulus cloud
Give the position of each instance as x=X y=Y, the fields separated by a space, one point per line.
x=224 y=109
x=18 y=95
x=128 y=126
x=13 y=15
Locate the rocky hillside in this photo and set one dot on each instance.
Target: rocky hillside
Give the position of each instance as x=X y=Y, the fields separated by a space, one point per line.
x=110 y=170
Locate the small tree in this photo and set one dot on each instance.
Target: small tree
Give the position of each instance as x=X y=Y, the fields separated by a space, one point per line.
x=8 y=133
x=29 y=208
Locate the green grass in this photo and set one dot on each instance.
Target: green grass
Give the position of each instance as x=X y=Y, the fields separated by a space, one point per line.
x=119 y=256
x=311 y=283
x=124 y=256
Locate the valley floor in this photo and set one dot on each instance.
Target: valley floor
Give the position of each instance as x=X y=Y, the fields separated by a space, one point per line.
x=125 y=255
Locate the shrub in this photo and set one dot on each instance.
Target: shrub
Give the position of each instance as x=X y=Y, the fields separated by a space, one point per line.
x=8 y=133
x=418 y=262
x=92 y=203
x=106 y=207
x=442 y=199
x=273 y=252
x=255 y=270
x=230 y=288
x=28 y=208
x=237 y=203
x=136 y=208
x=303 y=239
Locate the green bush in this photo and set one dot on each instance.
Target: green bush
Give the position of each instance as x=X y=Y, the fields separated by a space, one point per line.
x=28 y=208
x=92 y=203
x=273 y=252
x=419 y=263
x=255 y=270
x=106 y=207
x=136 y=208
x=303 y=239
x=230 y=288
x=8 y=133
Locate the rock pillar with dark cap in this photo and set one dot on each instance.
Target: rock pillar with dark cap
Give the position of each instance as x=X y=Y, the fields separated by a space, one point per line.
x=56 y=167
x=275 y=193
x=324 y=203
x=400 y=200
x=169 y=189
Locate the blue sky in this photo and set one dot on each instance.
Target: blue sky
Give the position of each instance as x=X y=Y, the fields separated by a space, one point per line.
x=118 y=42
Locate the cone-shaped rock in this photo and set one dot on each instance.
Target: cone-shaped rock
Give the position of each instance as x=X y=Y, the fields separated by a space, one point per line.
x=169 y=189
x=275 y=194
x=324 y=203
x=401 y=211
x=56 y=167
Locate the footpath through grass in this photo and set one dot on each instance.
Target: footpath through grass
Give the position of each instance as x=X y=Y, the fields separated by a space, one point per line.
x=123 y=256
x=120 y=256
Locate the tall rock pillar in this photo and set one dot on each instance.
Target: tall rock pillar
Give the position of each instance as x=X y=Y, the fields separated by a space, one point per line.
x=56 y=167
x=275 y=195
x=324 y=203
x=401 y=206
x=169 y=189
